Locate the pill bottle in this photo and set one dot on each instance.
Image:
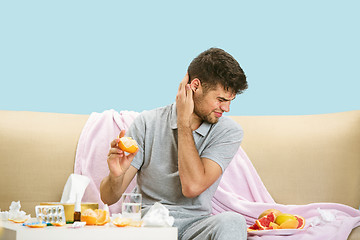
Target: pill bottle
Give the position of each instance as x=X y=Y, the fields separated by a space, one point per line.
x=77 y=211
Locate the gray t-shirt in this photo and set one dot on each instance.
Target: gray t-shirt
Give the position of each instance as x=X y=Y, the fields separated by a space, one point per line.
x=157 y=160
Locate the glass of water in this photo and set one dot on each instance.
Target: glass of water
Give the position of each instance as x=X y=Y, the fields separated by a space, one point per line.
x=131 y=206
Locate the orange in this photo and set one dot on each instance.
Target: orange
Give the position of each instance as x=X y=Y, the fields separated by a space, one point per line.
x=266 y=212
x=128 y=144
x=95 y=217
x=289 y=224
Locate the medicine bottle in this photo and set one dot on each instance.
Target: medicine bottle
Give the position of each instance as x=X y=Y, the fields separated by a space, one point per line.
x=77 y=211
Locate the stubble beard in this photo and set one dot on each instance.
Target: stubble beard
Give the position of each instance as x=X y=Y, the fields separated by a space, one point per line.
x=209 y=118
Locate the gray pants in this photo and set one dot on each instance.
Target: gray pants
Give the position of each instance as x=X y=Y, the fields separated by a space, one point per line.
x=224 y=226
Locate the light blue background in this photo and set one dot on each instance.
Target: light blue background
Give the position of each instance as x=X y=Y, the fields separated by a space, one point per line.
x=301 y=57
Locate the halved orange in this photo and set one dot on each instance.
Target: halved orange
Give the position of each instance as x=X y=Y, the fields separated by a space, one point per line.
x=128 y=144
x=95 y=217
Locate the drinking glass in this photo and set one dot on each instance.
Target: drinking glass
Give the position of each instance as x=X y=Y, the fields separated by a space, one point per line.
x=131 y=206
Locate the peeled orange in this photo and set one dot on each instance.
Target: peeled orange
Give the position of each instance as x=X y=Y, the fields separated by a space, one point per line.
x=95 y=217
x=128 y=144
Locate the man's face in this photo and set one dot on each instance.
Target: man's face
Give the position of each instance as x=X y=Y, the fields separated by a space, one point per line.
x=210 y=105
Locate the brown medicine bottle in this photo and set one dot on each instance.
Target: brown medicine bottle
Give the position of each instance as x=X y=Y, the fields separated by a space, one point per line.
x=77 y=211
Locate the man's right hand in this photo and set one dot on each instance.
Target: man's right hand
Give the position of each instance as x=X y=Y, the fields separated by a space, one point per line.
x=117 y=160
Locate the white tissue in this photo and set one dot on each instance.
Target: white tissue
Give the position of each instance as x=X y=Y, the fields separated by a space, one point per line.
x=325 y=216
x=74 y=188
x=158 y=216
x=14 y=212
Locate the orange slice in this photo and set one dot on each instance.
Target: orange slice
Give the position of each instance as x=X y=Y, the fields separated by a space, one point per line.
x=18 y=220
x=128 y=144
x=126 y=222
x=301 y=221
x=38 y=225
x=58 y=224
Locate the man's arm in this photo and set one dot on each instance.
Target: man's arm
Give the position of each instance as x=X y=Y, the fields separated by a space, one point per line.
x=121 y=173
x=196 y=174
x=111 y=188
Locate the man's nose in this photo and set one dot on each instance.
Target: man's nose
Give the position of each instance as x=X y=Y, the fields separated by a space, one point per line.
x=225 y=106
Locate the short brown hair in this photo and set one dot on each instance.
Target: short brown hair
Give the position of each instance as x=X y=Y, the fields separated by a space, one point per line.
x=215 y=66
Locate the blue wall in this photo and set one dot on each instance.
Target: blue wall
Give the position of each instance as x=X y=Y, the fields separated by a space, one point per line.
x=301 y=57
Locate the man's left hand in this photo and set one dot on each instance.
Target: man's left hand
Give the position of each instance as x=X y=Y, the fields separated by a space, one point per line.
x=184 y=103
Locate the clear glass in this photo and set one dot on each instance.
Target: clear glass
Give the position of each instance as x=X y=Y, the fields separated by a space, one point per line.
x=131 y=206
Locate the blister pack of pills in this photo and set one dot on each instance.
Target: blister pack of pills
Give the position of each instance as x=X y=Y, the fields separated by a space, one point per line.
x=50 y=213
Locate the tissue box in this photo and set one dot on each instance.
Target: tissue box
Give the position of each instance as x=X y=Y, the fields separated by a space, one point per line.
x=69 y=208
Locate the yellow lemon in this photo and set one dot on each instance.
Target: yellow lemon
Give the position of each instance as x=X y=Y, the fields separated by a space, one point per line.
x=283 y=218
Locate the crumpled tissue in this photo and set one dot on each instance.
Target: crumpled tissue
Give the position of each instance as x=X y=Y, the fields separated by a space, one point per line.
x=326 y=216
x=158 y=216
x=14 y=213
x=74 y=188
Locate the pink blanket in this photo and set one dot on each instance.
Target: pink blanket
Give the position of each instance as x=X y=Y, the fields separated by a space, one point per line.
x=93 y=147
x=240 y=190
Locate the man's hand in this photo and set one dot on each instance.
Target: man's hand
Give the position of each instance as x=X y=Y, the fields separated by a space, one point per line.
x=184 y=102
x=121 y=173
x=117 y=161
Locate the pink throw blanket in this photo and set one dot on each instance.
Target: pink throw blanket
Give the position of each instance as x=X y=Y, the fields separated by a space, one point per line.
x=240 y=190
x=93 y=147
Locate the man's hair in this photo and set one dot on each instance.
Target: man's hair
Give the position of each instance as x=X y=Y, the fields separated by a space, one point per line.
x=215 y=66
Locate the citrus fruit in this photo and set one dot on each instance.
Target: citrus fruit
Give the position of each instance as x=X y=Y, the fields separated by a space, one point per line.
x=95 y=217
x=289 y=224
x=301 y=221
x=272 y=225
x=18 y=220
x=266 y=212
x=126 y=222
x=58 y=224
x=253 y=228
x=283 y=218
x=265 y=221
x=128 y=144
x=36 y=225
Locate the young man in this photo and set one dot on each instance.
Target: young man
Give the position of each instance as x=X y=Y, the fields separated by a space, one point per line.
x=183 y=150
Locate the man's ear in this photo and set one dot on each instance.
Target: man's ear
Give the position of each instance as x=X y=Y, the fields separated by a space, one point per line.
x=195 y=84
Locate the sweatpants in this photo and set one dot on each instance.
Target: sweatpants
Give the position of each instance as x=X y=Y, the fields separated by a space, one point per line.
x=223 y=226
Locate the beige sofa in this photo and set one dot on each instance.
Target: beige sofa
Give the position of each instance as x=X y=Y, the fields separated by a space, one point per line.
x=301 y=159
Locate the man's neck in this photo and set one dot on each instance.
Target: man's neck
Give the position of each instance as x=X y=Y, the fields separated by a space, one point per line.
x=195 y=122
